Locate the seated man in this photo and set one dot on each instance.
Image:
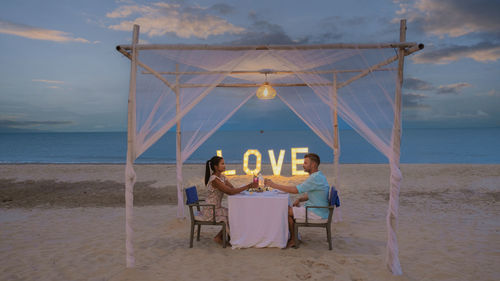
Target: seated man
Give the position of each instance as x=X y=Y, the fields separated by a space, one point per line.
x=315 y=189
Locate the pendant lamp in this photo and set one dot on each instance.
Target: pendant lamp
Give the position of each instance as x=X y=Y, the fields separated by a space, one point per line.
x=266 y=92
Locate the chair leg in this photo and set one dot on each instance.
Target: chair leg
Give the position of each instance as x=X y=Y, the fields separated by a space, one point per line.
x=224 y=237
x=191 y=236
x=296 y=239
x=329 y=237
x=198 y=237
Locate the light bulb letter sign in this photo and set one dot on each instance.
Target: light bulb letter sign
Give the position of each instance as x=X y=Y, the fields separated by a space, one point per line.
x=296 y=161
x=257 y=164
x=227 y=172
x=276 y=166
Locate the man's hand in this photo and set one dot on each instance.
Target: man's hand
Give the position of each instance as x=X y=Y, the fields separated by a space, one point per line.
x=286 y=188
x=296 y=202
x=268 y=182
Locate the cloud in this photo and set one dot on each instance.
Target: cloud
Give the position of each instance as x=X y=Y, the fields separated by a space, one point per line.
x=414 y=101
x=452 y=18
x=158 y=19
x=490 y=93
x=481 y=52
x=127 y=10
x=452 y=88
x=266 y=33
x=481 y=113
x=461 y=115
x=417 y=84
x=330 y=32
x=13 y=124
x=433 y=118
x=48 y=81
x=493 y=93
x=36 y=33
x=455 y=18
x=222 y=8
x=52 y=84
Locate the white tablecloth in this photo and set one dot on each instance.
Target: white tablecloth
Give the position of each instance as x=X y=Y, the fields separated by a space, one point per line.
x=258 y=219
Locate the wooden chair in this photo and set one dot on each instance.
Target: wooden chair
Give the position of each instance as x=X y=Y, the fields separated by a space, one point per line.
x=196 y=219
x=332 y=203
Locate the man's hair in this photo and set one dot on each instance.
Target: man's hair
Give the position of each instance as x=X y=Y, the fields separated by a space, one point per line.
x=313 y=157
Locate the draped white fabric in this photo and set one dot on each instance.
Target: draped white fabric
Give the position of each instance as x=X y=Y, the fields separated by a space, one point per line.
x=185 y=86
x=366 y=104
x=156 y=111
x=202 y=121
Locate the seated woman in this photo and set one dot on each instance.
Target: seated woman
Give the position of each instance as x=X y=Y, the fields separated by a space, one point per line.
x=217 y=184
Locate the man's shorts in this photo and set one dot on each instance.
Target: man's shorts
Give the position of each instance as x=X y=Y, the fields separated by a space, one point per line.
x=300 y=213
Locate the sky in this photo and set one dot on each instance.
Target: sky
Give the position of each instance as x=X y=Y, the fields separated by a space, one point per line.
x=60 y=70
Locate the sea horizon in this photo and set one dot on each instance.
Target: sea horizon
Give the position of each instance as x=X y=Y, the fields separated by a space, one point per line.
x=419 y=145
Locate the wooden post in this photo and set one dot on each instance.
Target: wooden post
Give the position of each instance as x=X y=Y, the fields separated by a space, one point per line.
x=129 y=170
x=336 y=143
x=392 y=258
x=335 y=130
x=180 y=206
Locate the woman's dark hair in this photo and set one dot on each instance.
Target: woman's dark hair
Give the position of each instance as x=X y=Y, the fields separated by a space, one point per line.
x=210 y=167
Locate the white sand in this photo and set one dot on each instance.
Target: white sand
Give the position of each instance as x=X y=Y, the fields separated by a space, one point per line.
x=448 y=230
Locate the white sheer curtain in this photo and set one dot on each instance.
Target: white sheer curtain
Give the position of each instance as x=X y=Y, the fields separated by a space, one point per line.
x=366 y=101
x=155 y=105
x=365 y=104
x=365 y=95
x=202 y=121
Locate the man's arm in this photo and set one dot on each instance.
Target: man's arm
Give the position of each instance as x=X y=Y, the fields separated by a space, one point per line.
x=304 y=198
x=286 y=188
x=300 y=199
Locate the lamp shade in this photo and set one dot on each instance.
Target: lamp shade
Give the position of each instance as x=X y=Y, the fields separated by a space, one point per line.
x=266 y=92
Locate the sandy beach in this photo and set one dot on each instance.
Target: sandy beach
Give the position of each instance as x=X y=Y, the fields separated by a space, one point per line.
x=66 y=222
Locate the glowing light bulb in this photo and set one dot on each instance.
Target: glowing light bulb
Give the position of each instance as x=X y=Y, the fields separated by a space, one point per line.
x=257 y=164
x=266 y=92
x=295 y=161
x=276 y=166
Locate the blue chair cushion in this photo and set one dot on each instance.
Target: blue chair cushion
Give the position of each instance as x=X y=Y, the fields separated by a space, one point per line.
x=334 y=197
x=192 y=195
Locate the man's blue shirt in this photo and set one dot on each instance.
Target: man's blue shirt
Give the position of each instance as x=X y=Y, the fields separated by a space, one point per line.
x=317 y=188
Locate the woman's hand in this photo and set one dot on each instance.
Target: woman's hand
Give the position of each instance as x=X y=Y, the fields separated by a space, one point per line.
x=253 y=185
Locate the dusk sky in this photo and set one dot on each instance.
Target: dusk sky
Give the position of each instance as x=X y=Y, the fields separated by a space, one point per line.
x=60 y=70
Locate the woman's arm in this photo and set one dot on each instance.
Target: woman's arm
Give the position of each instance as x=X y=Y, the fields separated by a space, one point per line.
x=227 y=189
x=229 y=184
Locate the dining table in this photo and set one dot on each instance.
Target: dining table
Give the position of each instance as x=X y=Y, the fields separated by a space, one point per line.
x=258 y=219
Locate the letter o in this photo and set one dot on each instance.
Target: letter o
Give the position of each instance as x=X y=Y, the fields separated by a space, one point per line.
x=257 y=164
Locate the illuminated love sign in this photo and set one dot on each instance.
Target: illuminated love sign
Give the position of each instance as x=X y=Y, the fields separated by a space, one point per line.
x=276 y=165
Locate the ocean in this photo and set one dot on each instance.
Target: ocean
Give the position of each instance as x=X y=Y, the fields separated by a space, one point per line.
x=473 y=146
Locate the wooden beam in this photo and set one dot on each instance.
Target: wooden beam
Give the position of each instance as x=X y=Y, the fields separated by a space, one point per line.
x=151 y=71
x=270 y=47
x=368 y=71
x=249 y=85
x=274 y=72
x=413 y=49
